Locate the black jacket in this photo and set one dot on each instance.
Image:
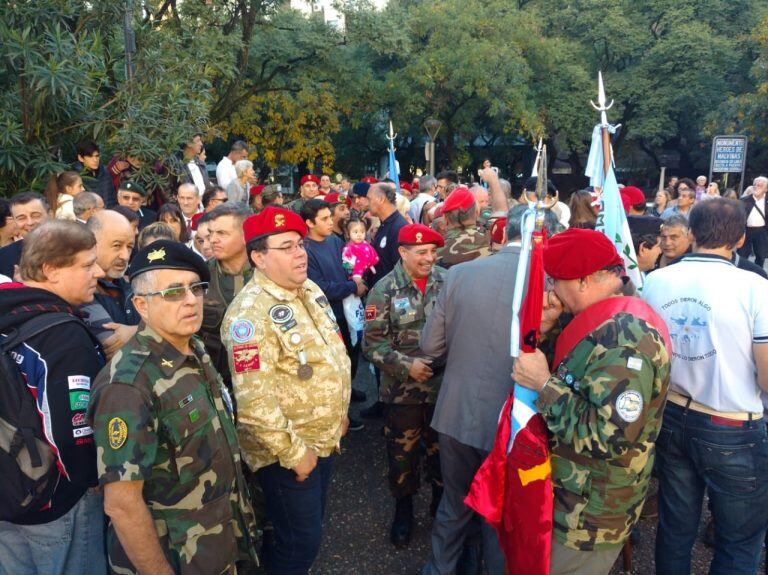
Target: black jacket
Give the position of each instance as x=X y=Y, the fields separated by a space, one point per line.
x=99 y=182
x=749 y=203
x=59 y=365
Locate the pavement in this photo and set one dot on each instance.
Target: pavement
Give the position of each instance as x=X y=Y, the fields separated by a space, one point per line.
x=360 y=509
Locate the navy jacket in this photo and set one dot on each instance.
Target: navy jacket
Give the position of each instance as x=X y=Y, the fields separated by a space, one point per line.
x=324 y=267
x=385 y=244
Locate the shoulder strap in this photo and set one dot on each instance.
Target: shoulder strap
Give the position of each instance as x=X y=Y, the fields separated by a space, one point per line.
x=759 y=211
x=35 y=326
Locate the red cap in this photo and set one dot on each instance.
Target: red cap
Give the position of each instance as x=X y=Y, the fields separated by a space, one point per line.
x=577 y=253
x=310 y=178
x=337 y=198
x=631 y=196
x=459 y=199
x=194 y=219
x=497 y=230
x=370 y=180
x=405 y=186
x=419 y=234
x=257 y=189
x=271 y=221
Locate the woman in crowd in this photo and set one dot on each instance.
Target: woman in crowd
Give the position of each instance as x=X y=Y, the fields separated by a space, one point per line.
x=171 y=215
x=60 y=191
x=583 y=213
x=661 y=202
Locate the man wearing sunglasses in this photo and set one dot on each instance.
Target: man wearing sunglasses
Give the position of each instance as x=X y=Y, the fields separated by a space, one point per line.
x=168 y=457
x=291 y=378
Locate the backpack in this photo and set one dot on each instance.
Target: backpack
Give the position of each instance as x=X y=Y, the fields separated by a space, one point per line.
x=28 y=468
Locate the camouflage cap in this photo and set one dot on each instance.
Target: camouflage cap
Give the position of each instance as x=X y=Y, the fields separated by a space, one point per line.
x=168 y=255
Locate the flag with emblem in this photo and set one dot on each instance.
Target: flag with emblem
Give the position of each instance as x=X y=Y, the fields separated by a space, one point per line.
x=513 y=487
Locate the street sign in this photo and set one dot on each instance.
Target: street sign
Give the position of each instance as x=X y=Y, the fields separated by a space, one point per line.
x=729 y=156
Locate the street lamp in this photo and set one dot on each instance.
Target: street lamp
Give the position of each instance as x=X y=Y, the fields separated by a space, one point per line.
x=432 y=126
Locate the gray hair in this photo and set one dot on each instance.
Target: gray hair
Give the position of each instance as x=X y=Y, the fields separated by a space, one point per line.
x=676 y=221
x=85 y=201
x=241 y=166
x=239 y=146
x=143 y=283
x=515 y=219
x=190 y=185
x=387 y=190
x=426 y=183
x=762 y=179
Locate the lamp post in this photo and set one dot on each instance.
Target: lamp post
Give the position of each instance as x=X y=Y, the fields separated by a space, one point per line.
x=432 y=126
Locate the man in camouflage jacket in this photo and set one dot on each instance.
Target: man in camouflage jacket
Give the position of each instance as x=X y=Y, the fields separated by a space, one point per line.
x=464 y=240
x=395 y=313
x=167 y=449
x=603 y=403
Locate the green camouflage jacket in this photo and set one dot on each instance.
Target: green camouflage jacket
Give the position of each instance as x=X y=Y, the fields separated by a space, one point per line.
x=165 y=418
x=296 y=204
x=395 y=314
x=463 y=245
x=603 y=407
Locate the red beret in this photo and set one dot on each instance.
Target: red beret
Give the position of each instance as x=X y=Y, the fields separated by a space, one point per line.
x=310 y=178
x=405 y=186
x=577 y=253
x=631 y=196
x=337 y=198
x=418 y=234
x=257 y=189
x=271 y=221
x=194 y=219
x=497 y=230
x=369 y=180
x=459 y=199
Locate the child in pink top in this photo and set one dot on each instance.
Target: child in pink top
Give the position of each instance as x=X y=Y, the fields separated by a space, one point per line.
x=358 y=255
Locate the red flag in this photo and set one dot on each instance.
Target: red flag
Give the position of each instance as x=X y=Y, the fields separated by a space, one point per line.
x=530 y=313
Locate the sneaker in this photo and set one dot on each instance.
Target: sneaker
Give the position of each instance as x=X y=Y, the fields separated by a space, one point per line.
x=374 y=411
x=357 y=396
x=355 y=425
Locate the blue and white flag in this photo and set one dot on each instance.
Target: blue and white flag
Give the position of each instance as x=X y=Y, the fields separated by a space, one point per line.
x=394 y=174
x=612 y=220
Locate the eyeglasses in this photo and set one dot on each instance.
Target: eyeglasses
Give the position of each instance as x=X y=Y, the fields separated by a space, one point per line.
x=290 y=250
x=178 y=293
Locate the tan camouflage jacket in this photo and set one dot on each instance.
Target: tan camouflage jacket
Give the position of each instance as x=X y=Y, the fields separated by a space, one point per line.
x=274 y=337
x=165 y=418
x=603 y=407
x=463 y=245
x=395 y=314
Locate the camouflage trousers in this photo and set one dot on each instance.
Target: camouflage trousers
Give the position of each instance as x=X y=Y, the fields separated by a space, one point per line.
x=408 y=436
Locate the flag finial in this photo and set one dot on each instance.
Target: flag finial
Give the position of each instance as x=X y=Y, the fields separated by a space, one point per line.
x=601 y=106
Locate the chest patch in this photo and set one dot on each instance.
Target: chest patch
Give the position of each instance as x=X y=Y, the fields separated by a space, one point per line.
x=280 y=313
x=635 y=363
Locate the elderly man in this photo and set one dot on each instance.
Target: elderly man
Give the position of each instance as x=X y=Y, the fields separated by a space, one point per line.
x=424 y=200
x=309 y=189
x=756 y=239
x=168 y=455
x=381 y=199
x=59 y=271
x=112 y=317
x=239 y=188
x=189 y=202
x=686 y=195
x=230 y=271
x=675 y=239
x=602 y=402
x=133 y=196
x=29 y=210
x=713 y=436
x=395 y=313
x=464 y=240
x=85 y=205
x=290 y=374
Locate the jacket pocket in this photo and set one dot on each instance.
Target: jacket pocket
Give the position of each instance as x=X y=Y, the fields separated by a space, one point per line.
x=192 y=435
x=572 y=484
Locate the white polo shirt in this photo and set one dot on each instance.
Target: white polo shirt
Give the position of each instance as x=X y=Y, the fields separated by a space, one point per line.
x=714 y=312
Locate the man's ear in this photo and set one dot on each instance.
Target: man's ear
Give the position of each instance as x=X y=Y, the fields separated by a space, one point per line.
x=142 y=306
x=257 y=259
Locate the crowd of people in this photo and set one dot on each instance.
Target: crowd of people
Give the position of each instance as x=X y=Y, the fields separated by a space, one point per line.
x=187 y=361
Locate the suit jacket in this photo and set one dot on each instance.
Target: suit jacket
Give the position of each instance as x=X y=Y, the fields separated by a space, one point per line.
x=471 y=325
x=749 y=203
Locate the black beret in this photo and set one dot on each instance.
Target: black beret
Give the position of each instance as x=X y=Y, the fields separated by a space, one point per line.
x=132 y=187
x=168 y=255
x=644 y=225
x=361 y=189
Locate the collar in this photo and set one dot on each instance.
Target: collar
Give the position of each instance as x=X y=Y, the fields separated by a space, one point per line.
x=390 y=218
x=277 y=292
x=403 y=280
x=221 y=272
x=696 y=257
x=170 y=358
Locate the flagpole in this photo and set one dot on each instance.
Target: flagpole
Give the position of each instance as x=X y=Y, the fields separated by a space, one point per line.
x=602 y=107
x=392 y=161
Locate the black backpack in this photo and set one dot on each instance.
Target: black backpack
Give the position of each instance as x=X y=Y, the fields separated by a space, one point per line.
x=28 y=470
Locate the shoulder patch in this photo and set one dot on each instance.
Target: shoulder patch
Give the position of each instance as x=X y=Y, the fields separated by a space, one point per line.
x=242 y=331
x=629 y=405
x=117 y=430
x=246 y=358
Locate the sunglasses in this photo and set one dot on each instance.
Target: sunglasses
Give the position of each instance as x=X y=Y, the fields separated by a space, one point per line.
x=179 y=293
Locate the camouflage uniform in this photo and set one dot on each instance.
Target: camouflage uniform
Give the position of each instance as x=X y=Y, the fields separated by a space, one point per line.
x=485 y=219
x=463 y=245
x=223 y=289
x=165 y=418
x=603 y=407
x=395 y=314
x=268 y=331
x=296 y=204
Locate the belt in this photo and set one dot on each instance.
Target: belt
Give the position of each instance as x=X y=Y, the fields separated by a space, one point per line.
x=689 y=403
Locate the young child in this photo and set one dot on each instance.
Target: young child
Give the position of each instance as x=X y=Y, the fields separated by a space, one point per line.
x=358 y=255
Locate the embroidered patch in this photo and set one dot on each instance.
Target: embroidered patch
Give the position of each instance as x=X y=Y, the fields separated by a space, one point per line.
x=78 y=400
x=370 y=312
x=280 y=313
x=246 y=357
x=79 y=382
x=629 y=405
x=635 y=363
x=288 y=326
x=82 y=432
x=242 y=331
x=78 y=420
x=117 y=431
x=322 y=301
